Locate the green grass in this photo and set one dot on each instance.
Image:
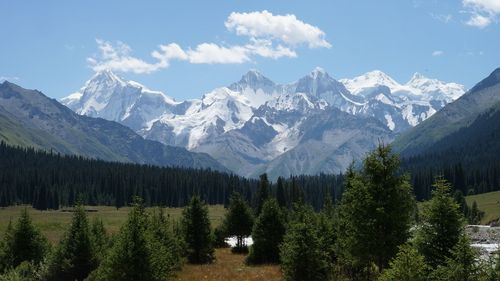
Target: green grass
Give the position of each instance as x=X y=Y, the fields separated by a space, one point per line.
x=54 y=223
x=487 y=202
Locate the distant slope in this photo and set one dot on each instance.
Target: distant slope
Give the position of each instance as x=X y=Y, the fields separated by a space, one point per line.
x=456 y=115
x=489 y=203
x=29 y=118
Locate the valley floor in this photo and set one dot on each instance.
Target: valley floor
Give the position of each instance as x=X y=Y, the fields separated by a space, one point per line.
x=229 y=266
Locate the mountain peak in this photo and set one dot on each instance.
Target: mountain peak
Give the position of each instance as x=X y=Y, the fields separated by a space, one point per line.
x=318 y=72
x=106 y=75
x=253 y=79
x=417 y=76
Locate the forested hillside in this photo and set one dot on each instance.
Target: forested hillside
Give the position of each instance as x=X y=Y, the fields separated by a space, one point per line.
x=49 y=180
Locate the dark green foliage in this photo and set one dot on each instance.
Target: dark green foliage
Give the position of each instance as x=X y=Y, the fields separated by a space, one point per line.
x=219 y=237
x=99 y=237
x=327 y=219
x=468 y=158
x=267 y=234
x=129 y=258
x=262 y=194
x=301 y=254
x=462 y=264
x=75 y=257
x=58 y=182
x=23 y=242
x=375 y=211
x=280 y=193
x=63 y=178
x=238 y=221
x=475 y=215
x=408 y=265
x=441 y=225
x=196 y=232
x=164 y=249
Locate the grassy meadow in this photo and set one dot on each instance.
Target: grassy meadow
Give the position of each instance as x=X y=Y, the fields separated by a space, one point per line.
x=52 y=223
x=487 y=202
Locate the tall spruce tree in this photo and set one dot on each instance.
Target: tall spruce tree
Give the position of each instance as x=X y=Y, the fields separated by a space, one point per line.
x=262 y=193
x=376 y=211
x=408 y=265
x=267 y=234
x=301 y=253
x=197 y=233
x=26 y=243
x=129 y=258
x=441 y=225
x=164 y=249
x=74 y=257
x=280 y=193
x=238 y=221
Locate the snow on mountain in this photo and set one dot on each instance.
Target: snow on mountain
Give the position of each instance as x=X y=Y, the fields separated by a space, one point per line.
x=404 y=106
x=108 y=96
x=255 y=125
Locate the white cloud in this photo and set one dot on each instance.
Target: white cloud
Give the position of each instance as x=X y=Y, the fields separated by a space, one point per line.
x=264 y=48
x=118 y=58
x=483 y=12
x=269 y=36
x=288 y=29
x=437 y=53
x=211 y=53
x=442 y=18
x=479 y=21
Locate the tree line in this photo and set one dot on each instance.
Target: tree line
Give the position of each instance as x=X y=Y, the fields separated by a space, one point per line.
x=48 y=180
x=374 y=232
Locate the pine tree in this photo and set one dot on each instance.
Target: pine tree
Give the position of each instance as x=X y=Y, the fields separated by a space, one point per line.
x=129 y=258
x=267 y=234
x=280 y=193
x=376 y=211
x=99 y=237
x=300 y=253
x=5 y=248
x=74 y=258
x=27 y=242
x=164 y=249
x=463 y=264
x=475 y=215
x=196 y=232
x=408 y=265
x=238 y=221
x=262 y=193
x=441 y=225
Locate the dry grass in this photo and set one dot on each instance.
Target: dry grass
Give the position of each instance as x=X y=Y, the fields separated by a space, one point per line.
x=53 y=223
x=229 y=266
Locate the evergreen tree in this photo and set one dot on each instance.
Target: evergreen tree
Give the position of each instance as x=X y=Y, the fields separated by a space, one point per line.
x=408 y=265
x=74 y=258
x=196 y=232
x=129 y=258
x=280 y=193
x=163 y=247
x=238 y=221
x=267 y=234
x=463 y=264
x=5 y=248
x=99 y=237
x=27 y=243
x=376 y=211
x=300 y=253
x=475 y=215
x=441 y=225
x=327 y=229
x=262 y=193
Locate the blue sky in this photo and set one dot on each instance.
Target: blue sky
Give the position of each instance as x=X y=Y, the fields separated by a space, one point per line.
x=187 y=48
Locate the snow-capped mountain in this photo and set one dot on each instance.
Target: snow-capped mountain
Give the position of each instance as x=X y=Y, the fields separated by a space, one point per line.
x=108 y=96
x=316 y=124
